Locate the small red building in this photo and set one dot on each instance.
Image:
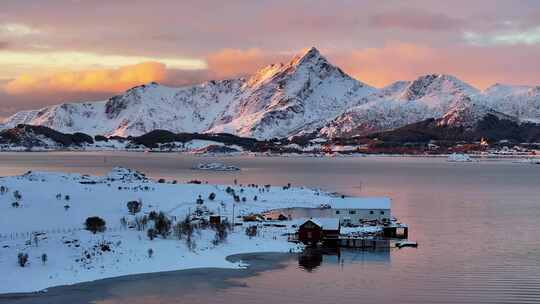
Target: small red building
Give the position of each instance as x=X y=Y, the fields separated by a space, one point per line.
x=318 y=230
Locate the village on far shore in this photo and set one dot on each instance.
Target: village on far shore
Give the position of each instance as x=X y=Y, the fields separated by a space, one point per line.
x=28 y=138
x=66 y=228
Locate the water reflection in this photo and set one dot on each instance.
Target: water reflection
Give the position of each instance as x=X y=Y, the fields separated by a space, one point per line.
x=477 y=223
x=312 y=258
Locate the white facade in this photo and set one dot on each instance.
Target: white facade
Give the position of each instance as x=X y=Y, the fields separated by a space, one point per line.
x=349 y=210
x=354 y=210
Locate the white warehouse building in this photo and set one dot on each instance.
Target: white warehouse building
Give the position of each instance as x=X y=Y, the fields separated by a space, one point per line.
x=349 y=210
x=354 y=210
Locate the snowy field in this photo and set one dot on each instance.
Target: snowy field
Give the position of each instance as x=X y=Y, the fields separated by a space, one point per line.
x=57 y=205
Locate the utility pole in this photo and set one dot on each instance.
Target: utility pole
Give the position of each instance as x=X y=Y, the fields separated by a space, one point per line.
x=233 y=216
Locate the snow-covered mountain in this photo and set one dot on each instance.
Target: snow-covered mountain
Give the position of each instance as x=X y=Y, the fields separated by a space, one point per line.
x=284 y=99
x=402 y=103
x=306 y=95
x=435 y=96
x=138 y=111
x=523 y=102
x=279 y=100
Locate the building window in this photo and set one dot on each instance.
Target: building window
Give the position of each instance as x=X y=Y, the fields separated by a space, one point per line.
x=337 y=211
x=352 y=212
x=382 y=212
x=371 y=212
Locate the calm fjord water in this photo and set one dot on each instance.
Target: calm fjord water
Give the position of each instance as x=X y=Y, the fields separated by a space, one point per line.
x=477 y=225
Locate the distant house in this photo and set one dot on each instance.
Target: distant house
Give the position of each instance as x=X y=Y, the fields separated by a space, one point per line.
x=354 y=210
x=275 y=215
x=313 y=231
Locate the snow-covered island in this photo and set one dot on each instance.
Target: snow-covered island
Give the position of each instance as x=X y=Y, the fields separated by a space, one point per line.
x=216 y=167
x=144 y=226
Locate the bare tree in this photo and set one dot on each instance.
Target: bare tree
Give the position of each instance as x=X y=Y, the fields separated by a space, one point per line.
x=22 y=259
x=151 y=233
x=17 y=195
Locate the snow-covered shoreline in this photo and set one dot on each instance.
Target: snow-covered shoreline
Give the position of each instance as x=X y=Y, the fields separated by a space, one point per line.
x=184 y=279
x=75 y=255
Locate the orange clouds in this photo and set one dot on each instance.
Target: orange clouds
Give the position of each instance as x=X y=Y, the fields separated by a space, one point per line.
x=105 y=80
x=379 y=66
x=235 y=62
x=415 y=19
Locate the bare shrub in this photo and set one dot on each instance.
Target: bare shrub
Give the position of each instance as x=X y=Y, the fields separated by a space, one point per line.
x=140 y=222
x=22 y=259
x=184 y=229
x=123 y=222
x=134 y=206
x=151 y=233
x=222 y=231
x=95 y=224
x=162 y=224
x=17 y=195
x=251 y=231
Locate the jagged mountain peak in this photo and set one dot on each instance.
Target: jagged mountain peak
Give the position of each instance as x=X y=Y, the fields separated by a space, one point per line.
x=310 y=62
x=312 y=55
x=285 y=98
x=436 y=84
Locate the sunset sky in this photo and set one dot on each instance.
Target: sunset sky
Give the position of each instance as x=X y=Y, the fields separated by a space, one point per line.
x=67 y=50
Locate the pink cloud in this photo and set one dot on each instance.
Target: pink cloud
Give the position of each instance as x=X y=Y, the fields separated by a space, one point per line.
x=480 y=66
x=415 y=20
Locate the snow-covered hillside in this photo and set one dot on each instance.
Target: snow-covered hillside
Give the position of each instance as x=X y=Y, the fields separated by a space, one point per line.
x=304 y=95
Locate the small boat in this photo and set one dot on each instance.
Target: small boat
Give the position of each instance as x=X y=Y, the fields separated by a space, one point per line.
x=402 y=244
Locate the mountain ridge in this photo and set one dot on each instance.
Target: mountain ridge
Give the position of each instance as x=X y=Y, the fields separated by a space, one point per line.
x=305 y=95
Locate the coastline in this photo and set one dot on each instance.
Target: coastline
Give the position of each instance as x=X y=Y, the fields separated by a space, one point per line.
x=186 y=280
x=335 y=155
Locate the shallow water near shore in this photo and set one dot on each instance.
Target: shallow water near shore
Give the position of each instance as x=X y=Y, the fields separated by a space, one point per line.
x=161 y=287
x=476 y=223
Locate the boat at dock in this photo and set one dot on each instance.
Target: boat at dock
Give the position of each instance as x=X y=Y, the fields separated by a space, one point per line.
x=406 y=243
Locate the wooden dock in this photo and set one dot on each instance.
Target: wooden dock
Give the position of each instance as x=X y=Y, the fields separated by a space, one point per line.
x=364 y=243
